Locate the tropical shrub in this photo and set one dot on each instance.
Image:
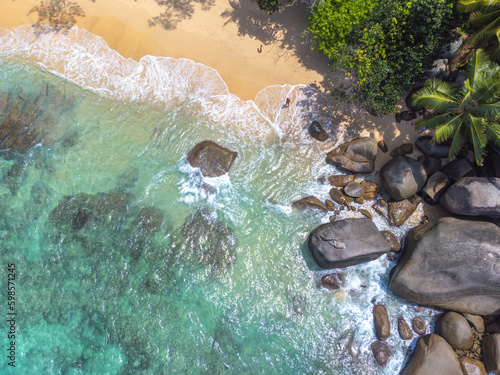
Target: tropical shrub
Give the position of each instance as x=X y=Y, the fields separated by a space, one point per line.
x=468 y=113
x=386 y=45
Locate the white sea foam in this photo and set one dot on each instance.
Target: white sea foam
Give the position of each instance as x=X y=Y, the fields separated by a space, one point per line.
x=168 y=84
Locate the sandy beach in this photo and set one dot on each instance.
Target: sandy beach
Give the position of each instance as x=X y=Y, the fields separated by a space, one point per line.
x=227 y=36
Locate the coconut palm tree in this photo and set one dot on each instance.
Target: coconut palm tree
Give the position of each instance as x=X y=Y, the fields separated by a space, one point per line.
x=467 y=113
x=485 y=15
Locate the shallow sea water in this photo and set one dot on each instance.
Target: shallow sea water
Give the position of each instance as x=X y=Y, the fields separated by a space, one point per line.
x=111 y=296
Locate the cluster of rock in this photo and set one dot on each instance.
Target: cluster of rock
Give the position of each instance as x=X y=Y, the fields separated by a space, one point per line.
x=450 y=263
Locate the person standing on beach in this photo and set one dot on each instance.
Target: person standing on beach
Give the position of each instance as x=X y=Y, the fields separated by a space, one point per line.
x=287 y=103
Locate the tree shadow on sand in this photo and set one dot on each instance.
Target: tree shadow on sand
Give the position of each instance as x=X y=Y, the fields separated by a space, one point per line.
x=284 y=30
x=177 y=11
x=56 y=15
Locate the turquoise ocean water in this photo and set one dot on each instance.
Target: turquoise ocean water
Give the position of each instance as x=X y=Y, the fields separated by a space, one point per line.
x=163 y=271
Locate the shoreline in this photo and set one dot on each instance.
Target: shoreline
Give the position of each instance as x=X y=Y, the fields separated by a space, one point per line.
x=226 y=36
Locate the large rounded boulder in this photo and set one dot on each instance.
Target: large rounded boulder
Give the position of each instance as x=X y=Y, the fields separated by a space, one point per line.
x=402 y=177
x=212 y=159
x=357 y=156
x=473 y=196
x=451 y=264
x=425 y=145
x=432 y=355
x=347 y=242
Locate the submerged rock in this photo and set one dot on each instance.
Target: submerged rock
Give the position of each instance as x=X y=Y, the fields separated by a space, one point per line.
x=356 y=156
x=451 y=264
x=148 y=220
x=99 y=209
x=212 y=159
x=347 y=242
x=206 y=241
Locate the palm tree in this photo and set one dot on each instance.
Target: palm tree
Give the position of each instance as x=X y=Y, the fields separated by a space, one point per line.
x=485 y=16
x=468 y=113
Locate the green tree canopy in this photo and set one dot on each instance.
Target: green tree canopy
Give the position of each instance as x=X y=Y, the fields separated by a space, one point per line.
x=386 y=44
x=468 y=113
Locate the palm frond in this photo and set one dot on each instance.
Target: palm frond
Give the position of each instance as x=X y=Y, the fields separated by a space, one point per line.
x=478 y=63
x=482 y=19
x=486 y=91
x=435 y=100
x=468 y=6
x=487 y=33
x=488 y=110
x=477 y=137
x=448 y=129
x=459 y=139
x=434 y=121
x=448 y=88
x=467 y=96
x=492 y=132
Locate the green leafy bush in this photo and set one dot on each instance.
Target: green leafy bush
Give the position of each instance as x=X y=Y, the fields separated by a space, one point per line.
x=385 y=44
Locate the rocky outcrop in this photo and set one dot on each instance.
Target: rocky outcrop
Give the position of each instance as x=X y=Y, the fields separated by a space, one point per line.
x=402 y=177
x=392 y=239
x=473 y=196
x=425 y=145
x=459 y=168
x=455 y=329
x=435 y=186
x=357 y=156
x=347 y=242
x=399 y=212
x=432 y=355
x=431 y=164
x=451 y=264
x=341 y=180
x=491 y=353
x=316 y=131
x=311 y=202
x=381 y=322
x=471 y=366
x=212 y=159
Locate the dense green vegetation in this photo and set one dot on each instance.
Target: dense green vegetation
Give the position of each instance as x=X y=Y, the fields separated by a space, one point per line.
x=466 y=113
x=385 y=44
x=485 y=18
